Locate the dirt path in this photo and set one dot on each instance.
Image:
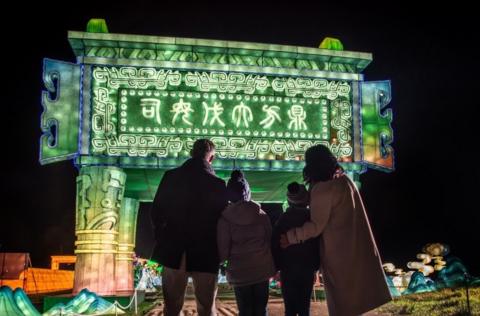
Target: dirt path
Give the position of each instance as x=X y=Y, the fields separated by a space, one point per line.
x=229 y=308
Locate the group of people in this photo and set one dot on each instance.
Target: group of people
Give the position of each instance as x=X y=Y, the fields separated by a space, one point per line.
x=202 y=222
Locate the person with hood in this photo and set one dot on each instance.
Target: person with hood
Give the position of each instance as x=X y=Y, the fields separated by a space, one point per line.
x=349 y=259
x=185 y=212
x=298 y=263
x=243 y=234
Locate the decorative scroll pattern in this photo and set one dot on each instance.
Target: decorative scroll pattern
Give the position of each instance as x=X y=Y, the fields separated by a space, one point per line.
x=311 y=88
x=278 y=128
x=223 y=82
x=341 y=112
x=226 y=147
x=139 y=78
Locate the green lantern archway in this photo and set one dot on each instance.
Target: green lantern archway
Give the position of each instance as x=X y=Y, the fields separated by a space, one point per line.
x=132 y=106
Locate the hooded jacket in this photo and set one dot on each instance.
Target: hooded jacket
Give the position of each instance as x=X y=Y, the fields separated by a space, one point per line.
x=243 y=234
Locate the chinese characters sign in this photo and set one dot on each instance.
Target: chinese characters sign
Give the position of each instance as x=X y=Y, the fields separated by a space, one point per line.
x=190 y=113
x=151 y=112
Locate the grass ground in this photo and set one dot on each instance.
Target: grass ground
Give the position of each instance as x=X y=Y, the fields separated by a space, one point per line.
x=446 y=302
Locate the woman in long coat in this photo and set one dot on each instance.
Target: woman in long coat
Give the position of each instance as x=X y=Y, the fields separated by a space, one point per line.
x=350 y=262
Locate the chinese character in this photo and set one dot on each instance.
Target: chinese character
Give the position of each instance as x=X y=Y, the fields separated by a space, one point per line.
x=272 y=115
x=151 y=109
x=297 y=115
x=183 y=108
x=216 y=109
x=242 y=112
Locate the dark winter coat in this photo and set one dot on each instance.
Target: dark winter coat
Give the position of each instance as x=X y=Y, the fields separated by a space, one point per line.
x=185 y=211
x=297 y=258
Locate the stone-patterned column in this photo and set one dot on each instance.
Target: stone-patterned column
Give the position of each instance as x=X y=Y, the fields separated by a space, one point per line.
x=126 y=245
x=99 y=195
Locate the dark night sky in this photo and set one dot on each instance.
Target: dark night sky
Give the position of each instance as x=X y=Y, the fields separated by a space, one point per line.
x=429 y=55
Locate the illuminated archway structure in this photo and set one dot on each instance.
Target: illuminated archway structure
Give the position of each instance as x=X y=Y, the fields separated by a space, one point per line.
x=132 y=106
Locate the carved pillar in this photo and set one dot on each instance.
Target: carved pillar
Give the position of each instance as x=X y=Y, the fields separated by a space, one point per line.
x=126 y=245
x=99 y=195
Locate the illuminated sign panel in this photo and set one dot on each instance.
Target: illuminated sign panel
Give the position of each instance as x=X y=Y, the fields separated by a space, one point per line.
x=138 y=101
x=147 y=111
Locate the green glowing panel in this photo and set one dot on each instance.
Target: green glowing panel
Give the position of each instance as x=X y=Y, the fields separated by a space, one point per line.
x=60 y=117
x=376 y=125
x=149 y=112
x=142 y=184
x=212 y=114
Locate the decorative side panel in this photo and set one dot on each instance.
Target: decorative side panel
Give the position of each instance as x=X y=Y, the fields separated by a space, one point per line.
x=376 y=125
x=60 y=117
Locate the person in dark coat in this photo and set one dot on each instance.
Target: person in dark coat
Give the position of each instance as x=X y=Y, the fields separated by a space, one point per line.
x=298 y=263
x=185 y=211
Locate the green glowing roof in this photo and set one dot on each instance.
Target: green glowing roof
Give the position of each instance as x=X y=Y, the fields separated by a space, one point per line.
x=159 y=48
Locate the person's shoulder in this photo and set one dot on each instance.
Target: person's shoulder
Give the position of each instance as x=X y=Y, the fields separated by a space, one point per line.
x=344 y=183
x=250 y=206
x=216 y=180
x=219 y=180
x=323 y=186
x=167 y=175
x=257 y=207
x=172 y=173
x=337 y=187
